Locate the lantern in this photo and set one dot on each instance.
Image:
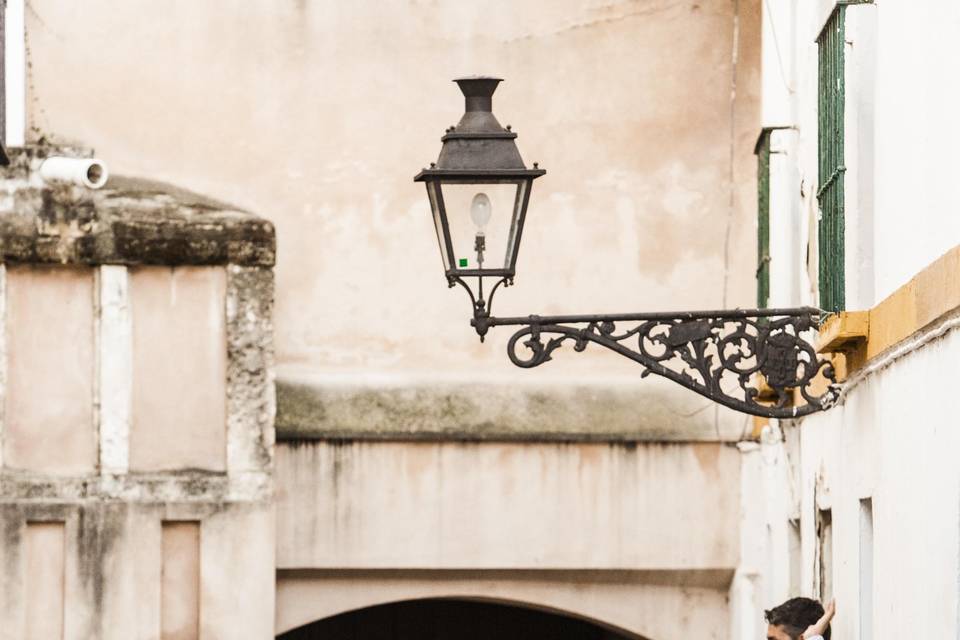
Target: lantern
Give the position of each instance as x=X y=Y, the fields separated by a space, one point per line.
x=478 y=190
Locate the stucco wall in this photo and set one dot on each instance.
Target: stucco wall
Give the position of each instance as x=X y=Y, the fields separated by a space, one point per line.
x=177 y=320
x=645 y=537
x=892 y=439
x=496 y=505
x=916 y=201
x=48 y=333
x=892 y=442
x=900 y=203
x=318 y=114
x=647 y=605
x=137 y=421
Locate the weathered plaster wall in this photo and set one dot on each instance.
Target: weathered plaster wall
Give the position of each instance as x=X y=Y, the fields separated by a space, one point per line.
x=318 y=114
x=110 y=585
x=645 y=537
x=653 y=606
x=48 y=415
x=94 y=477
x=314 y=114
x=889 y=442
x=892 y=440
x=179 y=351
x=595 y=410
x=391 y=505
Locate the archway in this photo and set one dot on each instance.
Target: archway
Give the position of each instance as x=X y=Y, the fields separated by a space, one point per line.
x=449 y=619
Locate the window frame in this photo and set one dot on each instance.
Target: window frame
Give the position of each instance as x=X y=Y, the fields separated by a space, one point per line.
x=831 y=109
x=762 y=151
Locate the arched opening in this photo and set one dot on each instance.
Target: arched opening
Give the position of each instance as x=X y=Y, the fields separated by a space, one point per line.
x=443 y=619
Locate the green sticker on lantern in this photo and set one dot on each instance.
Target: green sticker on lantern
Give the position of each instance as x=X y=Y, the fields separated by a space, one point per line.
x=463 y=262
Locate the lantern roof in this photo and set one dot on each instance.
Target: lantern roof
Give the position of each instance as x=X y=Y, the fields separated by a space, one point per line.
x=479 y=146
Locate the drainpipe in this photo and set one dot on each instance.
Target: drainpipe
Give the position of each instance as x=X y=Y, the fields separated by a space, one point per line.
x=14 y=74
x=88 y=172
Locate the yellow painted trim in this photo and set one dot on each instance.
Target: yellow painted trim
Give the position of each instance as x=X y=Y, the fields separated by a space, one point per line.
x=764 y=390
x=758 y=425
x=843 y=331
x=863 y=335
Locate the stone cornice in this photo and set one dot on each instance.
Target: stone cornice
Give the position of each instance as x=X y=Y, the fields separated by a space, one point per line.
x=130 y=221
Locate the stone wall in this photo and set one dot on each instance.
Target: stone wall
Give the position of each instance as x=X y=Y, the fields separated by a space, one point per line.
x=137 y=415
x=642 y=536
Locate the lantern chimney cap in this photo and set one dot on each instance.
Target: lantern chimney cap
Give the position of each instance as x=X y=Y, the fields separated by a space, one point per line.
x=478 y=91
x=478 y=145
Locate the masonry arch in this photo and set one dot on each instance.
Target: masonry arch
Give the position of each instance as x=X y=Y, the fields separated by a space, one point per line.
x=456 y=619
x=635 y=605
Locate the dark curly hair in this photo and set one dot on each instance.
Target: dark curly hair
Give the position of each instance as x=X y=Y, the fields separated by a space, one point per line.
x=795 y=615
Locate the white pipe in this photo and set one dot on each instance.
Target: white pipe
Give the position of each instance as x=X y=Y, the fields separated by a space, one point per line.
x=15 y=84
x=89 y=172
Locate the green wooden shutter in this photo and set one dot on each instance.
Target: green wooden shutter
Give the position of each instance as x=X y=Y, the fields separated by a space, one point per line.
x=763 y=219
x=831 y=168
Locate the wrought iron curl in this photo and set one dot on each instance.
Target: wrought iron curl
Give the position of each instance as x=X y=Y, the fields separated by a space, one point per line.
x=731 y=359
x=755 y=361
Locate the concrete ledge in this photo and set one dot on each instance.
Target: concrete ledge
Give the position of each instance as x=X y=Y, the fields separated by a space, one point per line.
x=187 y=486
x=719 y=578
x=130 y=221
x=651 y=410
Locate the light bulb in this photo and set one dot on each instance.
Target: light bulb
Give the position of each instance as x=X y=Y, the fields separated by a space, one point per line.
x=480 y=211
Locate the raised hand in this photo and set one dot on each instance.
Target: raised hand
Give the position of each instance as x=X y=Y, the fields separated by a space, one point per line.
x=820 y=626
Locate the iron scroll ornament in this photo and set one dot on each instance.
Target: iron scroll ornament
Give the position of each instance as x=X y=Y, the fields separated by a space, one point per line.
x=751 y=360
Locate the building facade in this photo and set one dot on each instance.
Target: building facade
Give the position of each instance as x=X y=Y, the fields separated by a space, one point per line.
x=860 y=502
x=221 y=424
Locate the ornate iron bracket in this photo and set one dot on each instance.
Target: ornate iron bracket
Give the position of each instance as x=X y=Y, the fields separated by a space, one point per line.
x=752 y=360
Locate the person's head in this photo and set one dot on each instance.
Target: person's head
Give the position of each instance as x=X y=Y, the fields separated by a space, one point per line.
x=791 y=619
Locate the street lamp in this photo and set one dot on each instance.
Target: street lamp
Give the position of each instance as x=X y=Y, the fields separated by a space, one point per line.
x=479 y=189
x=751 y=360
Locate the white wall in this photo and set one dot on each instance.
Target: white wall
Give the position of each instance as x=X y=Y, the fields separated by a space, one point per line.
x=894 y=441
x=901 y=203
x=917 y=202
x=894 y=437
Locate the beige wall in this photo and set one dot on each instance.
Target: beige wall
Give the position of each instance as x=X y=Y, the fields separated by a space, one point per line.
x=632 y=602
x=644 y=537
x=48 y=414
x=180 y=580
x=179 y=368
x=44 y=548
x=95 y=570
x=666 y=507
x=318 y=114
x=152 y=541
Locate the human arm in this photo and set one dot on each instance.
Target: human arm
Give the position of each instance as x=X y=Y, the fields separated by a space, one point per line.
x=817 y=629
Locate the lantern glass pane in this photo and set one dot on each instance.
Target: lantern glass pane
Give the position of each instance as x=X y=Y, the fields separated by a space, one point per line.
x=487 y=209
x=523 y=190
x=432 y=189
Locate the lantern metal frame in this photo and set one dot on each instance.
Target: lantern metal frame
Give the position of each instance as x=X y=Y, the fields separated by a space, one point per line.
x=756 y=361
x=478 y=150
x=436 y=178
